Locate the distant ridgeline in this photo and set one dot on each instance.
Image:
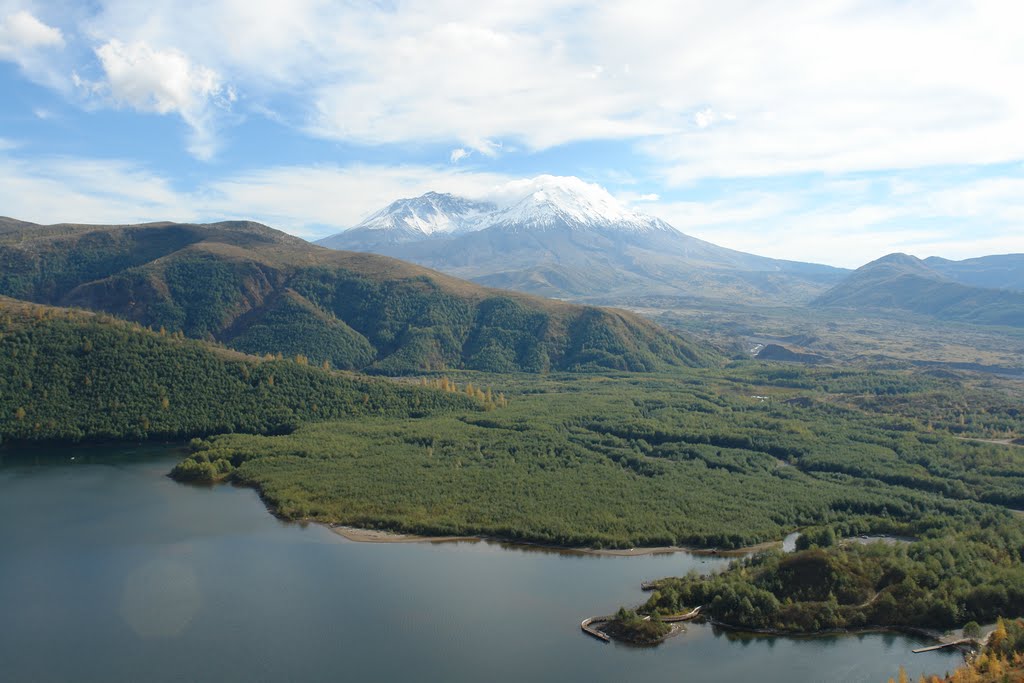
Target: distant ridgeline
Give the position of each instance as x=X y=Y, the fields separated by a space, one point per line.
x=69 y=375
x=987 y=291
x=261 y=291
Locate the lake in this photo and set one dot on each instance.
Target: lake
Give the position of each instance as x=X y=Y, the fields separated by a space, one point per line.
x=110 y=571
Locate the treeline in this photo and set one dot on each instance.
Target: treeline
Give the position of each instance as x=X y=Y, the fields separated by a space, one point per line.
x=68 y=376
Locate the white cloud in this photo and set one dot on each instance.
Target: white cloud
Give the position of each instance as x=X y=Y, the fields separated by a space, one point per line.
x=32 y=45
x=833 y=86
x=22 y=31
x=84 y=190
x=458 y=154
x=705 y=117
x=730 y=89
x=164 y=82
x=848 y=223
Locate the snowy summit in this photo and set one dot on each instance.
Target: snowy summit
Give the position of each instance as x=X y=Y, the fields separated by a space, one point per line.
x=542 y=203
x=429 y=214
x=567 y=201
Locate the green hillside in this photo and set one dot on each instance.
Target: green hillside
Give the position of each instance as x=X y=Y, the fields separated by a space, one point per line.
x=69 y=376
x=902 y=282
x=262 y=291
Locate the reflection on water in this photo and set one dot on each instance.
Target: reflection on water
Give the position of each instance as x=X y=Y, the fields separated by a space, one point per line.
x=110 y=571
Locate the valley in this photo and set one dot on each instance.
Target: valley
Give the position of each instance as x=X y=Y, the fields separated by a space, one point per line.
x=848 y=338
x=360 y=391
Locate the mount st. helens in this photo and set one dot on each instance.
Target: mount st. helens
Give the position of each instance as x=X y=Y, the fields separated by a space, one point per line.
x=560 y=236
x=259 y=290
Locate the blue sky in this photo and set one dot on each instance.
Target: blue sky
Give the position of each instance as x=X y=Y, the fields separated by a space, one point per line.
x=832 y=131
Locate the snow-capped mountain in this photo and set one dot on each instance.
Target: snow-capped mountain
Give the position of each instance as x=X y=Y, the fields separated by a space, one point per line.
x=421 y=217
x=561 y=236
x=542 y=203
x=568 y=202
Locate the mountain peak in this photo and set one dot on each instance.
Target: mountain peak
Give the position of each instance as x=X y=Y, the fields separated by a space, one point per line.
x=546 y=202
x=901 y=263
x=898 y=258
x=568 y=202
x=428 y=214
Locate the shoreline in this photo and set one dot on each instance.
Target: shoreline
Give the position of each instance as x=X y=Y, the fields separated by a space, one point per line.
x=952 y=639
x=359 y=535
x=362 y=535
x=949 y=639
x=365 y=535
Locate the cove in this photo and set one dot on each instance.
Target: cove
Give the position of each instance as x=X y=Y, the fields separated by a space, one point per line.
x=110 y=571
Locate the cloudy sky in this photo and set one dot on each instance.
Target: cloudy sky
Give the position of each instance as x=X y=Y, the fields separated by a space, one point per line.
x=829 y=130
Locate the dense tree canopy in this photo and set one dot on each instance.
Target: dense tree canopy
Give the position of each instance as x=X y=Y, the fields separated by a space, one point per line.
x=67 y=376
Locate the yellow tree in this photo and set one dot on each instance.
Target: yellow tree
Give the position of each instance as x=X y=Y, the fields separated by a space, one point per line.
x=998 y=636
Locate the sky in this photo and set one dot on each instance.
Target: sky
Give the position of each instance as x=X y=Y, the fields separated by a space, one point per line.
x=832 y=131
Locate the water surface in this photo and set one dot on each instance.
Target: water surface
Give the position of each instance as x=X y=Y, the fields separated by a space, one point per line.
x=110 y=571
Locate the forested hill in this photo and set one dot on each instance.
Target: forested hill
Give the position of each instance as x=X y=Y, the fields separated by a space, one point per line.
x=259 y=290
x=905 y=283
x=69 y=375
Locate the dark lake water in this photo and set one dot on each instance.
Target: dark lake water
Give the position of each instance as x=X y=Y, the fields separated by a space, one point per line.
x=110 y=571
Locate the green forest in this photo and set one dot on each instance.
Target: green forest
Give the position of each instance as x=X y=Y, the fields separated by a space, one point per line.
x=72 y=376
x=970 y=570
x=704 y=459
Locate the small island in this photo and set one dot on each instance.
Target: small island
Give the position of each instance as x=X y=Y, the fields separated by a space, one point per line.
x=630 y=627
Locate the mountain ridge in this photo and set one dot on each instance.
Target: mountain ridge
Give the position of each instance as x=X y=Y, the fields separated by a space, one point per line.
x=998 y=271
x=244 y=284
x=906 y=283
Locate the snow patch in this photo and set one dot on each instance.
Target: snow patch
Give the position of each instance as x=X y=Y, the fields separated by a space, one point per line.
x=540 y=203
